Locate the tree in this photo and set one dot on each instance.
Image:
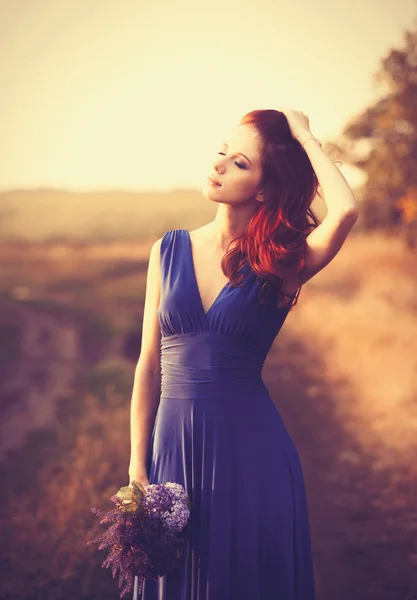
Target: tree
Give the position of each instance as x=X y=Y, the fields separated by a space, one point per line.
x=382 y=141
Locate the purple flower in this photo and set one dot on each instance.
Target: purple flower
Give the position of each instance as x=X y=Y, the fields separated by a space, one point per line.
x=168 y=502
x=146 y=537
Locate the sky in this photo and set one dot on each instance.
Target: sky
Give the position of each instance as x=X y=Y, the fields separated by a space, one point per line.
x=138 y=96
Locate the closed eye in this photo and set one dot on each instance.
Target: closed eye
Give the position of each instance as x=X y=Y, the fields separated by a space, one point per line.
x=236 y=163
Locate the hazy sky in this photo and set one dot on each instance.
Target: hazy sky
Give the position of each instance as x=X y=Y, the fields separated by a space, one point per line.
x=124 y=94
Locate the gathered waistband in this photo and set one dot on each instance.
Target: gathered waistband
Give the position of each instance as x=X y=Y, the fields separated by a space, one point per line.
x=205 y=365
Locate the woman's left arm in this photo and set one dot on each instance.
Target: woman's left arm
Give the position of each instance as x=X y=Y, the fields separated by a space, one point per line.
x=336 y=192
x=326 y=240
x=338 y=196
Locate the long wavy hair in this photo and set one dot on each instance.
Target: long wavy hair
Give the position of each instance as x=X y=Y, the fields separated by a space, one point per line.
x=274 y=241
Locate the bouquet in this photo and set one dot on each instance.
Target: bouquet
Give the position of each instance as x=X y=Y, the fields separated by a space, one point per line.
x=145 y=539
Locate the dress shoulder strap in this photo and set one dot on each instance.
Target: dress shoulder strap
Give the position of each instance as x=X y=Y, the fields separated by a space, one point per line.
x=168 y=253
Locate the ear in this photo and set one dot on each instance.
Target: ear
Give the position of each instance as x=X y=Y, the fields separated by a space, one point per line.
x=260 y=196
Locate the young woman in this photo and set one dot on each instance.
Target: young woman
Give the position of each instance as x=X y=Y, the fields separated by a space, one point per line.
x=201 y=414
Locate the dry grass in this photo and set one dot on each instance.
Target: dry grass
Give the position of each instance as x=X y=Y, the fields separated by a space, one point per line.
x=357 y=319
x=360 y=313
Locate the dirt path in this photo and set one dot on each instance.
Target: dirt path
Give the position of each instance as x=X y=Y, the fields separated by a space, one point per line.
x=363 y=520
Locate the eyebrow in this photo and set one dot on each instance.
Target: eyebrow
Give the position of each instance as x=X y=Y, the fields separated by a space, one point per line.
x=239 y=153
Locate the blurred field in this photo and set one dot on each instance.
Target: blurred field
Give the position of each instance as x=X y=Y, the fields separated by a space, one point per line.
x=342 y=372
x=102 y=215
x=360 y=315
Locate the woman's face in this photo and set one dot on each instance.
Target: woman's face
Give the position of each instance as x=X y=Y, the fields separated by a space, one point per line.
x=237 y=168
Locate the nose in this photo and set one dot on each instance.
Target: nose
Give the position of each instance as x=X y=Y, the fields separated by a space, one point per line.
x=218 y=164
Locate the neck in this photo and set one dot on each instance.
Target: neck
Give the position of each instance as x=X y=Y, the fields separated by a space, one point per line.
x=230 y=223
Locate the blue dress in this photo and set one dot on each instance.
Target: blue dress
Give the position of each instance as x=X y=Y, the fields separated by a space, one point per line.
x=218 y=432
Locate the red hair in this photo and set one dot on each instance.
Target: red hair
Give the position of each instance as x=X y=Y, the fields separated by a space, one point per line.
x=274 y=241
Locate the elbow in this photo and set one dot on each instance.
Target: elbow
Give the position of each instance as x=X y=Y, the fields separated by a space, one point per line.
x=149 y=365
x=353 y=214
x=350 y=214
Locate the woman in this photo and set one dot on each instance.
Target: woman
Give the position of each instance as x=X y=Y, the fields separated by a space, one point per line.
x=201 y=415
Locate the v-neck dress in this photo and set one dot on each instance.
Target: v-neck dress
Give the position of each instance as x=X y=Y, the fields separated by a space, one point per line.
x=218 y=433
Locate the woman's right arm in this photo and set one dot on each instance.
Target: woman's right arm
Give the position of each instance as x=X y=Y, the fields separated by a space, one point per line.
x=147 y=380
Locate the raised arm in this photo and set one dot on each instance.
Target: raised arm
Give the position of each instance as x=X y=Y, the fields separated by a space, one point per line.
x=325 y=241
x=147 y=380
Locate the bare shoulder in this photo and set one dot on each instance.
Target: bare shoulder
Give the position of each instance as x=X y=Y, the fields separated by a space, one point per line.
x=156 y=246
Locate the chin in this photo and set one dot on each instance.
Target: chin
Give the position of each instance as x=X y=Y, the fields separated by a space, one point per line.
x=209 y=192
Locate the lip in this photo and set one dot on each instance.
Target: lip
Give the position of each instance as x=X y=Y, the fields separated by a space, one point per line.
x=214 y=181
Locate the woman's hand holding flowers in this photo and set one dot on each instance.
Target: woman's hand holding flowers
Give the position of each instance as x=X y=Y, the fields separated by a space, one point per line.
x=141 y=478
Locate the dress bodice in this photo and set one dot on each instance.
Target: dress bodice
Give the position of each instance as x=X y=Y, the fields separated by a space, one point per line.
x=235 y=333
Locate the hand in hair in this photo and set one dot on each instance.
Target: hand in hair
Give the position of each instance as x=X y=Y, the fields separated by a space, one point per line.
x=298 y=123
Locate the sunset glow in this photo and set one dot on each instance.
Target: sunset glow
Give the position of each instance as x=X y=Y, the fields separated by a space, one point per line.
x=139 y=96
